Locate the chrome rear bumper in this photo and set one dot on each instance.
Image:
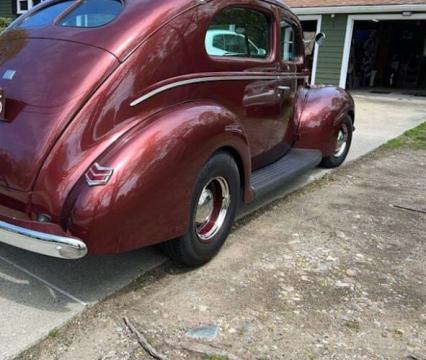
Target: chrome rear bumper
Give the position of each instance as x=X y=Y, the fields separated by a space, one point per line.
x=42 y=243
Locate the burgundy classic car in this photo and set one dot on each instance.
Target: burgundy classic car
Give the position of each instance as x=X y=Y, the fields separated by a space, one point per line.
x=128 y=123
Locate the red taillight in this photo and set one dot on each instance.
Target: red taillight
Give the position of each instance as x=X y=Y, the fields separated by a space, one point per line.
x=98 y=175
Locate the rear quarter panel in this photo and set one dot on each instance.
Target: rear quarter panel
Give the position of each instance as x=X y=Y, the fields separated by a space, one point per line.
x=156 y=166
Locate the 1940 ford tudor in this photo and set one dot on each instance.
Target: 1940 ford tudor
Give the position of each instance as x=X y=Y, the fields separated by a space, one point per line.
x=128 y=123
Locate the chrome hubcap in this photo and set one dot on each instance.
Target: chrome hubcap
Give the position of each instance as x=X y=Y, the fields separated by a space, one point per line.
x=205 y=206
x=342 y=141
x=212 y=208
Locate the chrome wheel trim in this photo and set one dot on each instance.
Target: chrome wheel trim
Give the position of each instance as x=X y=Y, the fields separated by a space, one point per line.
x=212 y=208
x=205 y=206
x=342 y=141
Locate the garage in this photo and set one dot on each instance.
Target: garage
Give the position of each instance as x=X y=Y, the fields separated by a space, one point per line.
x=376 y=46
x=388 y=55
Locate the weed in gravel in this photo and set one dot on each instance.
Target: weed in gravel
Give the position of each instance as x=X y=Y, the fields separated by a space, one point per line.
x=54 y=333
x=215 y=357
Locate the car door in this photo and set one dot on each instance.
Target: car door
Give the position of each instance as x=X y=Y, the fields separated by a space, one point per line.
x=292 y=74
x=241 y=43
x=279 y=133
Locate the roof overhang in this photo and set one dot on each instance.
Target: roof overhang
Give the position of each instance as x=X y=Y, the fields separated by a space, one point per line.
x=359 y=9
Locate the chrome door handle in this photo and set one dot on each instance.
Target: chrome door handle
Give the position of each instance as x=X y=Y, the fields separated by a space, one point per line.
x=284 y=88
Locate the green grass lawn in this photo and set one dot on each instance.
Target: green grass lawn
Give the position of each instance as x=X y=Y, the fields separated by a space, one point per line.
x=414 y=138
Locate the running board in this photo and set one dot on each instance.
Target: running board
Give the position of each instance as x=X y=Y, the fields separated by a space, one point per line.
x=283 y=171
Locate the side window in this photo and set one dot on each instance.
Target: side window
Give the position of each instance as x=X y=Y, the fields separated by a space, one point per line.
x=289 y=47
x=239 y=32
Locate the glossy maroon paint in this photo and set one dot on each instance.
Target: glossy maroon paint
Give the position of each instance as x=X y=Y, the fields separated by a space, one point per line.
x=320 y=118
x=72 y=108
x=39 y=109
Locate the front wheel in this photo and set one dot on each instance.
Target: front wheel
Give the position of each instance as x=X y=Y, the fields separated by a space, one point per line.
x=214 y=205
x=343 y=144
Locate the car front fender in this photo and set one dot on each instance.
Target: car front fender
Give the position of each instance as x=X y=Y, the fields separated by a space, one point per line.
x=323 y=111
x=148 y=197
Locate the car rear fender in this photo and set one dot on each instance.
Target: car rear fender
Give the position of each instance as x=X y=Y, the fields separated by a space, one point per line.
x=323 y=111
x=148 y=197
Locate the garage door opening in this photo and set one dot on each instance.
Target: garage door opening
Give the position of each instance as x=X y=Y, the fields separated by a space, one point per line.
x=388 y=56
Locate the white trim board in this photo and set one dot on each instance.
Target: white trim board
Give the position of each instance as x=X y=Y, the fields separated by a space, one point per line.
x=350 y=31
x=318 y=19
x=362 y=9
x=29 y=6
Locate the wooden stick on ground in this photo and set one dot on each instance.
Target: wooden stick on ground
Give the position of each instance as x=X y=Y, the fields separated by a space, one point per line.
x=143 y=341
x=421 y=211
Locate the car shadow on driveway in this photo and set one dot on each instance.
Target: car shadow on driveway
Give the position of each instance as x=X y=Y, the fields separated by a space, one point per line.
x=84 y=281
x=39 y=293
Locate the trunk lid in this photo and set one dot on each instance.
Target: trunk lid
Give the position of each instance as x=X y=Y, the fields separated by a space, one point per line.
x=45 y=82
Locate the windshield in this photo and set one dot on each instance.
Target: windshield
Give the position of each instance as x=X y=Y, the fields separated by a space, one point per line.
x=88 y=14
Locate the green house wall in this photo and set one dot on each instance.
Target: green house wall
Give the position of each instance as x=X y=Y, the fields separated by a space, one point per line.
x=6 y=8
x=331 y=52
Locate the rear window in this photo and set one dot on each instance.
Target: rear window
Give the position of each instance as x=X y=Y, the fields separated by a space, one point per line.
x=44 y=17
x=88 y=14
x=93 y=13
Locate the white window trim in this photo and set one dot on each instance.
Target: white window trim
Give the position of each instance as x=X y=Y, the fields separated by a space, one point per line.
x=318 y=19
x=350 y=31
x=19 y=11
x=30 y=3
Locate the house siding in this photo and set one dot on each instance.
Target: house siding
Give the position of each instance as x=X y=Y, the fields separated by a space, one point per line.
x=330 y=54
x=6 y=8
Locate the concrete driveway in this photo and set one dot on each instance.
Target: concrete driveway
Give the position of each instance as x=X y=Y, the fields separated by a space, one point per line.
x=38 y=294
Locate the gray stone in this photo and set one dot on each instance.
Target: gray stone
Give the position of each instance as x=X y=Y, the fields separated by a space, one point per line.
x=208 y=332
x=342 y=285
x=341 y=235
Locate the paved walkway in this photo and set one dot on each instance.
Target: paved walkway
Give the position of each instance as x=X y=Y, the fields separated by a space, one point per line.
x=38 y=294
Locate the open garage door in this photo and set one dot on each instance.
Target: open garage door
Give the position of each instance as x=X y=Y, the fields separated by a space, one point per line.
x=388 y=56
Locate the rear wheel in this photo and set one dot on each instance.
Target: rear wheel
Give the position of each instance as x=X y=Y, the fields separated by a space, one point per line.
x=343 y=144
x=214 y=205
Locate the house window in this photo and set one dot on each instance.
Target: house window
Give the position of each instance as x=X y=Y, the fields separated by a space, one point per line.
x=24 y=5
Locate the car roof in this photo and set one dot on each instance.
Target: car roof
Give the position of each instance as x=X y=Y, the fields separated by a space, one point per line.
x=123 y=35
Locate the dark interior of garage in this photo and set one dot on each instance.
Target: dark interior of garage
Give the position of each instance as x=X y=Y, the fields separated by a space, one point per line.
x=388 y=55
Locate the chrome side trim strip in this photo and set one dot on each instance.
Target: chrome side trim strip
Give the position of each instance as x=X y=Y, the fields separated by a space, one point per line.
x=199 y=80
x=42 y=243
